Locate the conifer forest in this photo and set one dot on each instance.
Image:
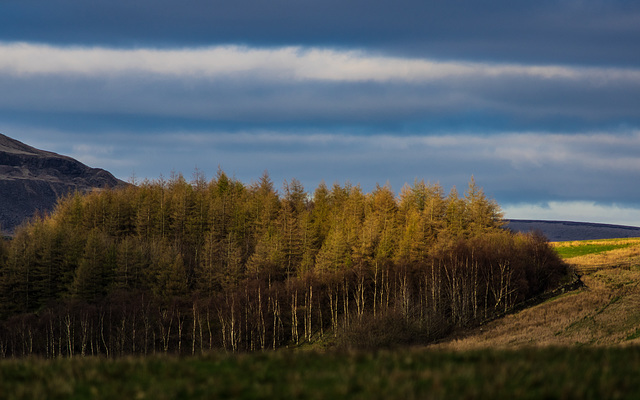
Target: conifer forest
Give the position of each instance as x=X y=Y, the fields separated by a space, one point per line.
x=189 y=266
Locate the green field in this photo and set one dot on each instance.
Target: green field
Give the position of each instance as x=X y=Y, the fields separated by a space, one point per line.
x=578 y=248
x=589 y=248
x=579 y=372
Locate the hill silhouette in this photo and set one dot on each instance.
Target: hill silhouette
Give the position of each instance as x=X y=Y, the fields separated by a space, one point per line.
x=558 y=231
x=32 y=180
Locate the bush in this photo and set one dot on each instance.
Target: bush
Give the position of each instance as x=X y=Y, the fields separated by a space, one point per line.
x=388 y=330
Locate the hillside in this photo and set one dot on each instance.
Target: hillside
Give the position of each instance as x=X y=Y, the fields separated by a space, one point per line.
x=604 y=312
x=557 y=231
x=32 y=180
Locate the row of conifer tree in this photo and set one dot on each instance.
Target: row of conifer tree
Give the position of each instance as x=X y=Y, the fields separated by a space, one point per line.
x=186 y=267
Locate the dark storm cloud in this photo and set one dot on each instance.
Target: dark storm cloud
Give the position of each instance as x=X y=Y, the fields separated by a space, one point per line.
x=485 y=104
x=594 y=32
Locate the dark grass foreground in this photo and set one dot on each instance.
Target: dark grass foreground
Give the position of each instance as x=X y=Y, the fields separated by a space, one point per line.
x=563 y=373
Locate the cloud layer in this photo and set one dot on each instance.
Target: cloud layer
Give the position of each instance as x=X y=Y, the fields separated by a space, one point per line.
x=278 y=63
x=305 y=86
x=515 y=168
x=539 y=100
x=594 y=32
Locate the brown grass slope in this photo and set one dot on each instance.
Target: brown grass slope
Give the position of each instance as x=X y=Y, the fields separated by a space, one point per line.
x=606 y=311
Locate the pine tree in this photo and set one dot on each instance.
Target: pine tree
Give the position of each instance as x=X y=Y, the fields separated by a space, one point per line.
x=482 y=214
x=292 y=221
x=95 y=272
x=268 y=256
x=455 y=218
x=131 y=263
x=385 y=210
x=317 y=226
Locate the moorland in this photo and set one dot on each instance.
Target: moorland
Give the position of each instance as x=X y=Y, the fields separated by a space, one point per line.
x=201 y=289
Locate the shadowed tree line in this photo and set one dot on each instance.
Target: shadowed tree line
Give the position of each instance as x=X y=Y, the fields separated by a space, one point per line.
x=186 y=267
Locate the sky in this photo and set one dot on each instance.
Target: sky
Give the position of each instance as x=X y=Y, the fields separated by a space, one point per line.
x=538 y=101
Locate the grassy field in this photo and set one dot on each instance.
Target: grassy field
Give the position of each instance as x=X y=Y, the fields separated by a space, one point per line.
x=581 y=373
x=590 y=255
x=567 y=252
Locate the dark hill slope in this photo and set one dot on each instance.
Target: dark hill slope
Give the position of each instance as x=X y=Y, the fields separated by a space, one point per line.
x=557 y=231
x=32 y=180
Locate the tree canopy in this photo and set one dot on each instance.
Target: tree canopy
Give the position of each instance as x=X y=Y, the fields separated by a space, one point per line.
x=265 y=264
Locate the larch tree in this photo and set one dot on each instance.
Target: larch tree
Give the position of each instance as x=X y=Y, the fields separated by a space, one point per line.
x=96 y=269
x=482 y=214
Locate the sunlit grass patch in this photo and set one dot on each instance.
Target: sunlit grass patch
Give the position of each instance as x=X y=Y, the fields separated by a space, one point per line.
x=591 y=255
x=576 y=251
x=579 y=248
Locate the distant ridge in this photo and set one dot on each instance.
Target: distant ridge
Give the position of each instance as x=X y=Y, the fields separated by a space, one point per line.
x=558 y=231
x=32 y=180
